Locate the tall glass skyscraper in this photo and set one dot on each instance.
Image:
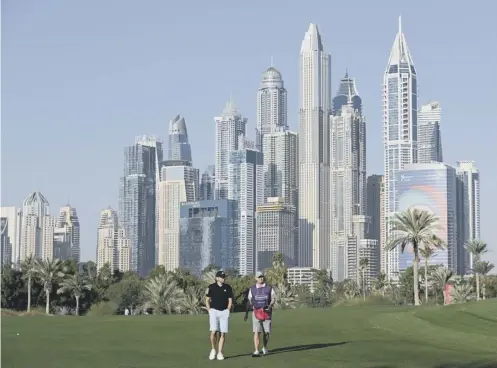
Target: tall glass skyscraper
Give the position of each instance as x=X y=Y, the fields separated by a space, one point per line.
x=271 y=105
x=314 y=152
x=347 y=88
x=137 y=201
x=431 y=188
x=400 y=109
x=179 y=147
x=429 y=135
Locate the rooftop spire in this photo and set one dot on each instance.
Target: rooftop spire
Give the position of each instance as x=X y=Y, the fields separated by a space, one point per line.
x=400 y=24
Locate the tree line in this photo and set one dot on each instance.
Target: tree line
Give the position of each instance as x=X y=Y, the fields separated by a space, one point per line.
x=66 y=288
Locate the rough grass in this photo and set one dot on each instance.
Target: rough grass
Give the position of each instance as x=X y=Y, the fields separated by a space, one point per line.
x=363 y=336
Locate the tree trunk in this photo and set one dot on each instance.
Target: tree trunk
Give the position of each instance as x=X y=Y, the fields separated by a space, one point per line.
x=77 y=305
x=29 y=294
x=47 y=307
x=477 y=286
x=426 y=281
x=415 y=271
x=363 y=285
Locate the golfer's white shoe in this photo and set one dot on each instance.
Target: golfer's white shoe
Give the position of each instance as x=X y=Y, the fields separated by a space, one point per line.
x=212 y=355
x=220 y=356
x=264 y=351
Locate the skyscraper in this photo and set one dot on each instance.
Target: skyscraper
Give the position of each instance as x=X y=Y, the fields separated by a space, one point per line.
x=346 y=90
x=137 y=201
x=207 y=183
x=400 y=109
x=34 y=208
x=67 y=232
x=229 y=127
x=271 y=105
x=314 y=152
x=246 y=187
x=179 y=184
x=348 y=180
x=468 y=210
x=432 y=188
x=113 y=247
x=179 y=147
x=374 y=210
x=12 y=227
x=429 y=135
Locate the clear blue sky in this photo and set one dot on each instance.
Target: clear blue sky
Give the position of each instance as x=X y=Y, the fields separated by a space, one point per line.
x=80 y=79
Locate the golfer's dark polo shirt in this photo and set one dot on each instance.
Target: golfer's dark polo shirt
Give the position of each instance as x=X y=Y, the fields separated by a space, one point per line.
x=219 y=295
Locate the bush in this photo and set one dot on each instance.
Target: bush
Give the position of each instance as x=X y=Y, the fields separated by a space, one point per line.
x=371 y=300
x=37 y=311
x=103 y=309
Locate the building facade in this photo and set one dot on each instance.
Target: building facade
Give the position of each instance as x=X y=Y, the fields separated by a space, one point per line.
x=271 y=105
x=179 y=147
x=137 y=201
x=207 y=235
x=468 y=210
x=67 y=228
x=275 y=233
x=431 y=188
x=229 y=127
x=179 y=184
x=400 y=116
x=348 y=181
x=429 y=134
x=314 y=155
x=246 y=187
x=207 y=184
x=34 y=208
x=11 y=226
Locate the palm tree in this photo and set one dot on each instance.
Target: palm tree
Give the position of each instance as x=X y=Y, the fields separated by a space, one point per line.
x=75 y=285
x=363 y=265
x=209 y=276
x=461 y=292
x=285 y=297
x=28 y=269
x=476 y=248
x=192 y=303
x=426 y=252
x=47 y=272
x=416 y=228
x=483 y=268
x=380 y=283
x=277 y=274
x=441 y=276
x=163 y=295
x=350 y=288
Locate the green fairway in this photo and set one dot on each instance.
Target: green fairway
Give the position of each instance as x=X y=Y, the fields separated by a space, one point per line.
x=455 y=336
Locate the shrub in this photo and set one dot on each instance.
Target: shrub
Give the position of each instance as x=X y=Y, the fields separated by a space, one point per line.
x=103 y=309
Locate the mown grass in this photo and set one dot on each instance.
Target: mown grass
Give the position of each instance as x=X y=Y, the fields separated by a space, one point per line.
x=380 y=337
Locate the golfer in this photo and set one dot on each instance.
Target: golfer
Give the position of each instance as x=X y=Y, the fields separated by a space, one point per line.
x=218 y=300
x=261 y=298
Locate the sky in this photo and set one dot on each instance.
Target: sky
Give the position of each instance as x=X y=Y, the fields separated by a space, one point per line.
x=81 y=79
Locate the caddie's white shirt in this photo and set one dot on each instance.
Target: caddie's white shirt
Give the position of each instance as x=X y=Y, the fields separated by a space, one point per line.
x=258 y=286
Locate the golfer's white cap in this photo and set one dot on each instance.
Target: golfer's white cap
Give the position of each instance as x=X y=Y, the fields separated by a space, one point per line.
x=259 y=274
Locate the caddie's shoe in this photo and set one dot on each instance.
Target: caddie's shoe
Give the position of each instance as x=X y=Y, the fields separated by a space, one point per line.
x=220 y=356
x=264 y=351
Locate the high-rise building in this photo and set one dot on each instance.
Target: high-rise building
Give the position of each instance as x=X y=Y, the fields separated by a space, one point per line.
x=348 y=181
x=11 y=226
x=179 y=147
x=347 y=91
x=113 y=247
x=275 y=233
x=34 y=208
x=67 y=232
x=374 y=187
x=5 y=243
x=246 y=187
x=207 y=230
x=468 y=211
x=137 y=201
x=400 y=109
x=271 y=105
x=431 y=188
x=281 y=177
x=229 y=127
x=207 y=183
x=48 y=237
x=314 y=155
x=179 y=183
x=429 y=135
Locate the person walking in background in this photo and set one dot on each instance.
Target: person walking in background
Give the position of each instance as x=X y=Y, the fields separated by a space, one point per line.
x=261 y=299
x=218 y=301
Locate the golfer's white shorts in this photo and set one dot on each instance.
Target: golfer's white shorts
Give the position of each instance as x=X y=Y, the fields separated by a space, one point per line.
x=219 y=320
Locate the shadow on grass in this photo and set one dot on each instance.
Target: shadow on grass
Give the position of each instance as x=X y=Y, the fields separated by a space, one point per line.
x=479 y=364
x=289 y=349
